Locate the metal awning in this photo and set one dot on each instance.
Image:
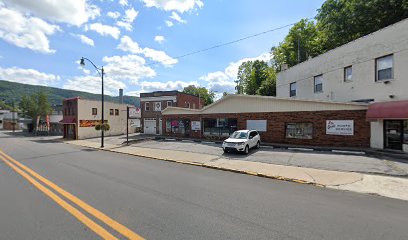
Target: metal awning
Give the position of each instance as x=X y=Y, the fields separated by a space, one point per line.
x=388 y=110
x=68 y=120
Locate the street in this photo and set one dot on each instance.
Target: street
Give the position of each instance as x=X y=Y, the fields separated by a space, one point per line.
x=163 y=200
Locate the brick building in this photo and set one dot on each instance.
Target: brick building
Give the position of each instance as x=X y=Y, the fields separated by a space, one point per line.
x=153 y=103
x=279 y=121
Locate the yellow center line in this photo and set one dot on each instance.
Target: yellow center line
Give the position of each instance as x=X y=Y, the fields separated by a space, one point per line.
x=91 y=210
x=75 y=212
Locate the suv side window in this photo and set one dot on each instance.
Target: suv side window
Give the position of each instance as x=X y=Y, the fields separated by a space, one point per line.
x=252 y=134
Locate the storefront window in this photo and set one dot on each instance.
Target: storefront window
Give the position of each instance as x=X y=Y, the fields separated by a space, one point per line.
x=180 y=126
x=219 y=127
x=299 y=130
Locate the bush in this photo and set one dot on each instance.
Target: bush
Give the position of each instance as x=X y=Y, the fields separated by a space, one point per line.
x=104 y=127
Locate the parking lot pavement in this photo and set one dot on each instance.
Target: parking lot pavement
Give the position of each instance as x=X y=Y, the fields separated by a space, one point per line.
x=308 y=159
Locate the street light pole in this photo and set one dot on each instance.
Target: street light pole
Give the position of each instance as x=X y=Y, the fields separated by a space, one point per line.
x=101 y=72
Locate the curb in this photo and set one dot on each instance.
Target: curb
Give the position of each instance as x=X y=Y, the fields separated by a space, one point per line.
x=214 y=167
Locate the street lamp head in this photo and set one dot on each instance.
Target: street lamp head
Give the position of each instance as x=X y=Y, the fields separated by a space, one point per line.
x=82 y=63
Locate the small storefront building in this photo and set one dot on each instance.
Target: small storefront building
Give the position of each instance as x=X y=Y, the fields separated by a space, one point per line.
x=389 y=125
x=278 y=120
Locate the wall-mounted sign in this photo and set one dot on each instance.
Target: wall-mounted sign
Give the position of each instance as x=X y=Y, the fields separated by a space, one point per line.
x=196 y=125
x=90 y=123
x=157 y=106
x=340 y=127
x=259 y=125
x=134 y=112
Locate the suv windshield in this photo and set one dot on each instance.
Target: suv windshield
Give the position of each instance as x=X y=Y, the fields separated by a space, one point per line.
x=239 y=135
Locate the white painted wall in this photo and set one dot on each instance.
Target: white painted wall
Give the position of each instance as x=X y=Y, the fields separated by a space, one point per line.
x=361 y=55
x=377 y=134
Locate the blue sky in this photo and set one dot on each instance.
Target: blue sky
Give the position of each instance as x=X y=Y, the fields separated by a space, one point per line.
x=137 y=41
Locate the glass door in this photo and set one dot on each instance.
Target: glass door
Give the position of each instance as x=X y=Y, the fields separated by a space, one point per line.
x=393 y=134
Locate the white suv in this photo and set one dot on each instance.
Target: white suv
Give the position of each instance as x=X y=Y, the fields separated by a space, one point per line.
x=242 y=141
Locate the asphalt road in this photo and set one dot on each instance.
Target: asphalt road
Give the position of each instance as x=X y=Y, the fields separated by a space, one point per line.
x=163 y=200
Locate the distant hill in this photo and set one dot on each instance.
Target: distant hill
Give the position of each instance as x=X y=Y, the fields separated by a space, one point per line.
x=11 y=91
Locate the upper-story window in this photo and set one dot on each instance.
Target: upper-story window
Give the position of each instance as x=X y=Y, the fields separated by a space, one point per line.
x=94 y=111
x=348 y=74
x=117 y=112
x=147 y=106
x=384 y=68
x=187 y=104
x=292 y=91
x=111 y=112
x=169 y=103
x=318 y=83
x=194 y=106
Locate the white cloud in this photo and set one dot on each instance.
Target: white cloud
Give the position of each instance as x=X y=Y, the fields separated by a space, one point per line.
x=92 y=84
x=75 y=12
x=128 y=45
x=128 y=18
x=159 y=39
x=104 y=30
x=123 y=2
x=84 y=39
x=164 y=86
x=177 y=17
x=169 y=23
x=25 y=31
x=27 y=76
x=174 y=5
x=129 y=67
x=223 y=81
x=113 y=15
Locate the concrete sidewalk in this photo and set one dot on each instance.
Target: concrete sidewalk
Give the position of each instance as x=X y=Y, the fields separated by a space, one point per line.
x=392 y=187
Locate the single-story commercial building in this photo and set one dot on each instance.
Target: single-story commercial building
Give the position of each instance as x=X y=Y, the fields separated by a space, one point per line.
x=278 y=120
x=80 y=116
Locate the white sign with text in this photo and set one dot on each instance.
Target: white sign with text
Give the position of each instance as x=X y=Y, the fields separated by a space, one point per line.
x=195 y=125
x=340 y=127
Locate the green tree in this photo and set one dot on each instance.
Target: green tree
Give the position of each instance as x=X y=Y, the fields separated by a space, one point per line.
x=206 y=96
x=256 y=78
x=35 y=105
x=302 y=42
x=342 y=21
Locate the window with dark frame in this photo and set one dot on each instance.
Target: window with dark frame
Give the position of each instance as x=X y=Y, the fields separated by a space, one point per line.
x=94 y=111
x=116 y=112
x=147 y=106
x=318 y=83
x=384 y=68
x=348 y=74
x=299 y=130
x=292 y=91
x=169 y=103
x=111 y=112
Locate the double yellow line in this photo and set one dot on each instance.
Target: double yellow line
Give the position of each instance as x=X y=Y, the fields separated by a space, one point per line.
x=41 y=184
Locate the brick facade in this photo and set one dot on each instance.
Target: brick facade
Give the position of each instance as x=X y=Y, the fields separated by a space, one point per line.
x=276 y=126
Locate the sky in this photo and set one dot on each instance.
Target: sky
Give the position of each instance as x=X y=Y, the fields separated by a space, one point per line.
x=139 y=42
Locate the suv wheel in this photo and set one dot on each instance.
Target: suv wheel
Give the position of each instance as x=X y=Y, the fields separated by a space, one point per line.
x=246 y=151
x=258 y=145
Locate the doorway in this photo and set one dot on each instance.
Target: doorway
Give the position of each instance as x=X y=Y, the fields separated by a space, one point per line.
x=393 y=134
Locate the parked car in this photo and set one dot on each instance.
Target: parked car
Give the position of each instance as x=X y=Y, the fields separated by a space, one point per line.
x=242 y=141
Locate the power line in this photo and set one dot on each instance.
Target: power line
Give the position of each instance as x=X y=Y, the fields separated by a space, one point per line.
x=225 y=44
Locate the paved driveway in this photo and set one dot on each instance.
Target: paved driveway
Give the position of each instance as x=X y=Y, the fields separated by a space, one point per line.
x=310 y=159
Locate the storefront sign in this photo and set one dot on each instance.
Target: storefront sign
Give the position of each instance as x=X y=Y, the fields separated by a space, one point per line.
x=134 y=112
x=195 y=125
x=340 y=127
x=90 y=123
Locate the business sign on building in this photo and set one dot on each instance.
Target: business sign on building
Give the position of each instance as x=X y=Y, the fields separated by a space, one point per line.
x=90 y=123
x=134 y=112
x=340 y=127
x=196 y=125
x=157 y=106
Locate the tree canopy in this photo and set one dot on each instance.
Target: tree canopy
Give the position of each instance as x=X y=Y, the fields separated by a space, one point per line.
x=202 y=92
x=337 y=22
x=35 y=105
x=256 y=78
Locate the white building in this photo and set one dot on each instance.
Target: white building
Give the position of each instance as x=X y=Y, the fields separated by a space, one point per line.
x=371 y=69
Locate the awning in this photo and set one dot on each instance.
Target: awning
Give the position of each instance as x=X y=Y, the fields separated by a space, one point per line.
x=67 y=121
x=388 y=110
